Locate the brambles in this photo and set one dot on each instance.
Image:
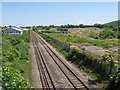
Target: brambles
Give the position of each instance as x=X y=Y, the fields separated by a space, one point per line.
x=14 y=61
x=109 y=58
x=12 y=79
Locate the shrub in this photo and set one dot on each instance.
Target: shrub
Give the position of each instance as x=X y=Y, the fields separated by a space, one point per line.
x=107 y=34
x=15 y=54
x=12 y=79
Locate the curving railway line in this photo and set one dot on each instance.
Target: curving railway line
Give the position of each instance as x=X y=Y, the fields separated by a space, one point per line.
x=53 y=70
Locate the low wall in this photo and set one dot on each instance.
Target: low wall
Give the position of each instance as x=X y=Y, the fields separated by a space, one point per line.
x=66 y=46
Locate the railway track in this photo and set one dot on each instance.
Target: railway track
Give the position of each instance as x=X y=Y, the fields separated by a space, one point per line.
x=45 y=74
x=43 y=71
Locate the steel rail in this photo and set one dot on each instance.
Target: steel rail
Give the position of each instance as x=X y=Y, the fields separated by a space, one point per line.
x=62 y=63
x=40 y=57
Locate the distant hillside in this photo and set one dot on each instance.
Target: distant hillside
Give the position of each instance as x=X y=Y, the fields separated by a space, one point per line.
x=115 y=23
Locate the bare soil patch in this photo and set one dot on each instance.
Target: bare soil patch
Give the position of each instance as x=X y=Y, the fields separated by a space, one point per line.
x=94 y=49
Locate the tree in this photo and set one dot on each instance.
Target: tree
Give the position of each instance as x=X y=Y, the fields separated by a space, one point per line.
x=98 y=25
x=51 y=26
x=81 y=26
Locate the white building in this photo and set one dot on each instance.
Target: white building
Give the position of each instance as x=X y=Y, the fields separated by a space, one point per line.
x=13 y=30
x=25 y=29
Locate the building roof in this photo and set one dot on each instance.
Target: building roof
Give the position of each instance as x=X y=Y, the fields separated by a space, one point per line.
x=15 y=28
x=18 y=29
x=25 y=29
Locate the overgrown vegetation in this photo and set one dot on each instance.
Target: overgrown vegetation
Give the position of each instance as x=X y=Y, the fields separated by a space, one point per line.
x=106 y=31
x=108 y=34
x=15 y=61
x=74 y=38
x=104 y=68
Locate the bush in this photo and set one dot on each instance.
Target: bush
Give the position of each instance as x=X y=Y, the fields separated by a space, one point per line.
x=12 y=79
x=15 y=53
x=107 y=34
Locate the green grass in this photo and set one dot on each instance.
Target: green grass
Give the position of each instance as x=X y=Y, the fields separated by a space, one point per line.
x=73 y=38
x=24 y=67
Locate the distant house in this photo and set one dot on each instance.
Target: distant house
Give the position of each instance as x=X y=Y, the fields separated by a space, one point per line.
x=13 y=30
x=25 y=29
x=63 y=30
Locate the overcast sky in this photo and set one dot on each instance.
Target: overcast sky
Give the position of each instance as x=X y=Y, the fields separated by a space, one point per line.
x=58 y=13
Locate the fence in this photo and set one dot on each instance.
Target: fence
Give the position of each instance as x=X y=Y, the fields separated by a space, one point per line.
x=64 y=45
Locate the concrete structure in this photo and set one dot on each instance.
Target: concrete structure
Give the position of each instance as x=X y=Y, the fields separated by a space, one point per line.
x=63 y=30
x=13 y=30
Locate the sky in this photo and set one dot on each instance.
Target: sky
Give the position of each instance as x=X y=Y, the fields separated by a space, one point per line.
x=58 y=13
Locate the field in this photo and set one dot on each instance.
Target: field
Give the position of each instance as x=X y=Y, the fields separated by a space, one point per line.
x=75 y=38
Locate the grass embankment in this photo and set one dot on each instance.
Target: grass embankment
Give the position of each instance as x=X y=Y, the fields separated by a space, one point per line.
x=16 y=61
x=100 y=68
